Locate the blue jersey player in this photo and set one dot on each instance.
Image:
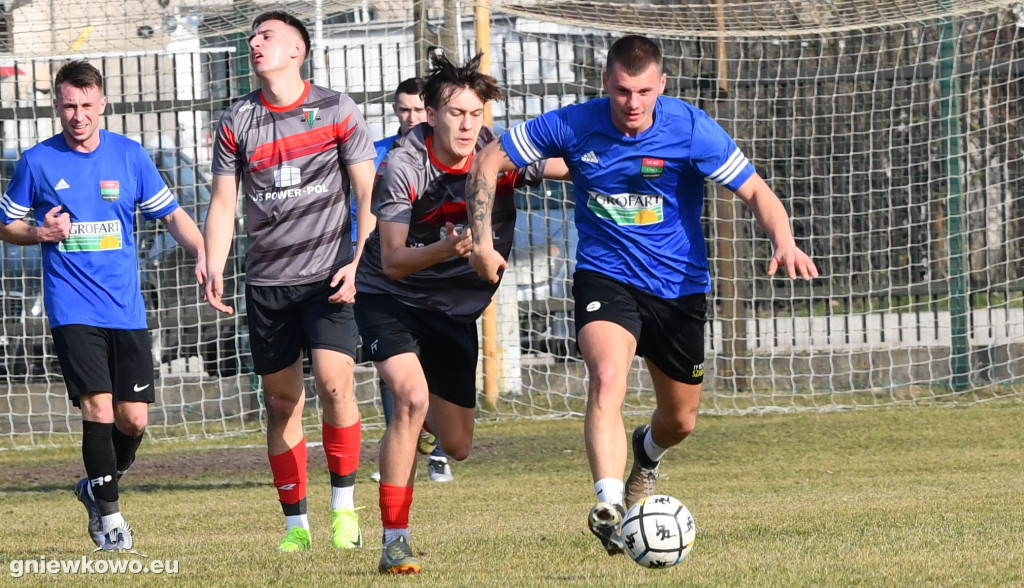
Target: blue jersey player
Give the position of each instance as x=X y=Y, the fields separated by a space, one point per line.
x=639 y=162
x=84 y=186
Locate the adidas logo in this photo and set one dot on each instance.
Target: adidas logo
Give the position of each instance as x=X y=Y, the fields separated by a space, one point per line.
x=62 y=185
x=590 y=157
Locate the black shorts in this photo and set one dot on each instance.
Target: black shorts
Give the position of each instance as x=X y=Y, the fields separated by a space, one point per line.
x=447 y=349
x=669 y=332
x=284 y=321
x=97 y=359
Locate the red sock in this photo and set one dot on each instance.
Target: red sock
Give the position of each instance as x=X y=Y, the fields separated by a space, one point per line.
x=342 y=445
x=395 y=502
x=289 y=470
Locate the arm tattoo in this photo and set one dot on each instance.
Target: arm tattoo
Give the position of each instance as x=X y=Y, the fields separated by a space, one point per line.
x=480 y=199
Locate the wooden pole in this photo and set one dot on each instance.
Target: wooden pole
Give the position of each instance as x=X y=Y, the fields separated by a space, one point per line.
x=732 y=365
x=489 y=326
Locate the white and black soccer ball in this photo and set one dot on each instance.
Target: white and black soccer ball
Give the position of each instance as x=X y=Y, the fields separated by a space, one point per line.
x=658 y=531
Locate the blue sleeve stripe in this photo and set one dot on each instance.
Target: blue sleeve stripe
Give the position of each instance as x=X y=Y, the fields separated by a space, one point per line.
x=11 y=209
x=154 y=204
x=730 y=169
x=524 y=147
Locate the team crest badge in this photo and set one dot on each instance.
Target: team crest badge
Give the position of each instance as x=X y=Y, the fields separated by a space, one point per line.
x=110 y=190
x=651 y=167
x=310 y=115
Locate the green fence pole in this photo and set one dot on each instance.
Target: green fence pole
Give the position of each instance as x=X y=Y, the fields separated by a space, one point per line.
x=243 y=13
x=951 y=156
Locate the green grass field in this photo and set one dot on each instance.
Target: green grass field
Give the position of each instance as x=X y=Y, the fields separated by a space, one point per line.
x=896 y=497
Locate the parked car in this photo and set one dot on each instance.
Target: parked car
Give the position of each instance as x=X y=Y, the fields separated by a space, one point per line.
x=182 y=324
x=543 y=259
x=25 y=334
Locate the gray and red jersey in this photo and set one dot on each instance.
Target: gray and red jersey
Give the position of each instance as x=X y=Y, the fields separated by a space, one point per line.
x=413 y=187
x=291 y=161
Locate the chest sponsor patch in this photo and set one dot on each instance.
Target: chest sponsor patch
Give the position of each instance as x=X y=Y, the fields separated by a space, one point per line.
x=96 y=236
x=110 y=190
x=628 y=209
x=651 y=167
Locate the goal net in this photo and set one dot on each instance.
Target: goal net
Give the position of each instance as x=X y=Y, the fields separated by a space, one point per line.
x=890 y=130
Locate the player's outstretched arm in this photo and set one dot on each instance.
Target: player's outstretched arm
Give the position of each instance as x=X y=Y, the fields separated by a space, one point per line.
x=185 y=232
x=483 y=180
x=55 y=228
x=556 y=169
x=772 y=217
x=220 y=228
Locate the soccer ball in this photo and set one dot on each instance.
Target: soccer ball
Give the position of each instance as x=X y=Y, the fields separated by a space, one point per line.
x=658 y=531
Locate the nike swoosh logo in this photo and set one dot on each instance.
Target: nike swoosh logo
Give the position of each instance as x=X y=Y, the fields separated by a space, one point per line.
x=138 y=389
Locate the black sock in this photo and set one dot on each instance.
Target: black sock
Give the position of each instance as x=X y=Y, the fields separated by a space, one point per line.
x=100 y=464
x=125 y=447
x=343 y=481
x=290 y=510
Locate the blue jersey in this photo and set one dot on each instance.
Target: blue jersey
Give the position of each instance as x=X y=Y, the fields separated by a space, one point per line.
x=92 y=277
x=638 y=199
x=382 y=147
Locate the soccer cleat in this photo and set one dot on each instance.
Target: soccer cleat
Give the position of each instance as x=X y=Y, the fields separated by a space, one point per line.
x=398 y=558
x=644 y=475
x=375 y=476
x=427 y=442
x=297 y=539
x=439 y=470
x=118 y=539
x=604 y=522
x=84 y=494
x=345 y=531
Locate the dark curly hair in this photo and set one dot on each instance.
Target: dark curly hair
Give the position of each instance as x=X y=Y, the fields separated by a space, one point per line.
x=446 y=77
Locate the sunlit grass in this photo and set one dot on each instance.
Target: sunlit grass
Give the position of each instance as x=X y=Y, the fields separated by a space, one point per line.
x=888 y=497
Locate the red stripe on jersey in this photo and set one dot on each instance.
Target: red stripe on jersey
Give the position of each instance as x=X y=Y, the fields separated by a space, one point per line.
x=453 y=212
x=293 y=105
x=295 y=146
x=446 y=169
x=507 y=182
x=230 y=145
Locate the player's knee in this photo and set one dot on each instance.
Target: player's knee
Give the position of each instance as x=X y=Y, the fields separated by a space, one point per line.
x=97 y=407
x=457 y=449
x=606 y=389
x=134 y=425
x=413 y=402
x=680 y=424
x=280 y=407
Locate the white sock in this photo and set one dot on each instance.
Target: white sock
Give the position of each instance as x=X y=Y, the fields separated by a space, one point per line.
x=392 y=534
x=297 y=521
x=343 y=497
x=654 y=451
x=112 y=521
x=610 y=490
